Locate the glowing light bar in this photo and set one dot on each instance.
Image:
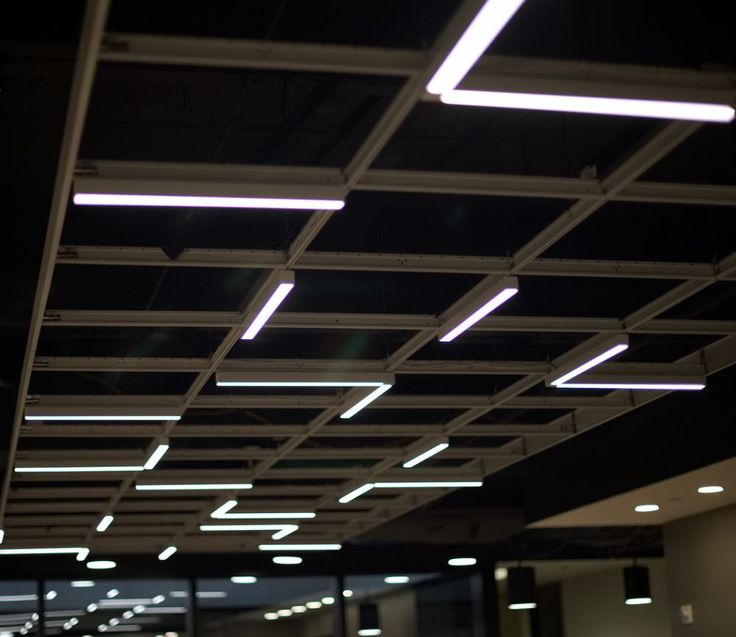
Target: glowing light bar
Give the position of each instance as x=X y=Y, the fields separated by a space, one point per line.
x=284 y=283
x=369 y=632
x=18 y=598
x=156 y=455
x=82 y=555
x=485 y=27
x=634 y=385
x=396 y=579
x=432 y=451
x=523 y=606
x=660 y=109
x=2 y=535
x=112 y=413
x=440 y=484
x=355 y=493
x=313 y=605
x=222 y=513
x=83 y=583
x=500 y=292
x=80 y=469
x=166 y=553
x=270 y=616
x=282 y=530
x=382 y=389
x=287 y=560
x=104 y=524
x=243 y=579
x=199 y=486
x=596 y=356
x=194 y=201
x=299 y=547
x=61 y=550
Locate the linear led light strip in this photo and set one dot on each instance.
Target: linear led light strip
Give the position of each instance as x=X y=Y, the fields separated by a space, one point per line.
x=602 y=353
x=223 y=513
x=86 y=413
x=199 y=201
x=382 y=383
x=282 y=283
x=198 y=486
x=487 y=24
x=662 y=109
x=282 y=530
x=470 y=314
x=481 y=32
x=150 y=463
x=105 y=523
x=435 y=484
x=59 y=550
x=433 y=450
x=299 y=547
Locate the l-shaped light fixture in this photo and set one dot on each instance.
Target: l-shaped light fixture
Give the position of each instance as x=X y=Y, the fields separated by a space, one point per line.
x=374 y=384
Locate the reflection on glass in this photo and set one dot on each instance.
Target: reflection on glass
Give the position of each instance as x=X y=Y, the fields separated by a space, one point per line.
x=131 y=607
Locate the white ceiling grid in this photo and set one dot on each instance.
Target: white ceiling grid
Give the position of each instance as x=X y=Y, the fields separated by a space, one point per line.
x=146 y=521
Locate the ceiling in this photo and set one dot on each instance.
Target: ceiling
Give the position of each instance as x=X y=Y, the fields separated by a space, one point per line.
x=677 y=498
x=612 y=225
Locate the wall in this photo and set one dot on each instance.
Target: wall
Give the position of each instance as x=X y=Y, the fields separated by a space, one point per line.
x=701 y=566
x=593 y=606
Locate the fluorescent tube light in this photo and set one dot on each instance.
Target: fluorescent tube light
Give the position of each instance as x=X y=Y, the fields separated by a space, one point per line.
x=62 y=550
x=285 y=612
x=523 y=606
x=105 y=522
x=158 y=599
x=347 y=593
x=634 y=386
x=83 y=583
x=113 y=412
x=289 y=560
x=243 y=579
x=328 y=601
x=299 y=608
x=270 y=616
x=596 y=356
x=221 y=513
x=82 y=555
x=138 y=609
x=51 y=595
x=439 y=484
x=470 y=314
x=211 y=594
x=2 y=535
x=299 y=547
x=462 y=561
x=91 y=608
x=156 y=455
x=660 y=109
x=81 y=469
x=380 y=390
x=313 y=605
x=297 y=383
x=166 y=553
x=193 y=201
x=369 y=632
x=428 y=453
x=282 y=530
x=215 y=486
x=284 y=281
x=485 y=27
x=114 y=621
x=128 y=614
x=355 y=493
x=112 y=593
x=18 y=598
x=101 y=565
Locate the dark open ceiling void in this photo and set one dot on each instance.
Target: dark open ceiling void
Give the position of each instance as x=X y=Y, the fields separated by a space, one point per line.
x=635 y=251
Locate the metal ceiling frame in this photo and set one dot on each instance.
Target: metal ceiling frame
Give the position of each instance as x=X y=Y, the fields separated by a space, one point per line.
x=150 y=521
